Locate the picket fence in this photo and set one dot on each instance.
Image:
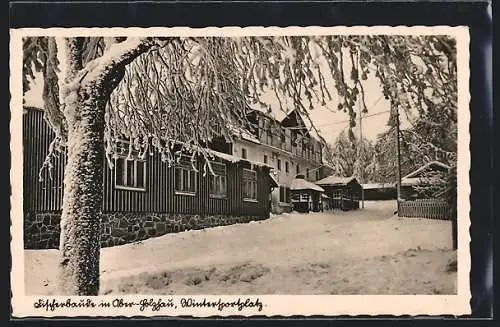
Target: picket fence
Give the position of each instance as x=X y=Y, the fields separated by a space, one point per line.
x=425 y=208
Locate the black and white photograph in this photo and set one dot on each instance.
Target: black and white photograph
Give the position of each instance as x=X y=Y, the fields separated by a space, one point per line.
x=229 y=168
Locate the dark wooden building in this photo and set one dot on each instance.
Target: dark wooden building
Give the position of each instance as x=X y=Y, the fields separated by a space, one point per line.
x=305 y=196
x=147 y=187
x=379 y=191
x=343 y=192
x=424 y=177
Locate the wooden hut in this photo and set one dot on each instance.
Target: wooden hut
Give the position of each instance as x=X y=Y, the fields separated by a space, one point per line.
x=305 y=196
x=425 y=176
x=143 y=197
x=344 y=192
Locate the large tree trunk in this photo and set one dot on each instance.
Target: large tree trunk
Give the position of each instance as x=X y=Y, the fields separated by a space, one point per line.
x=85 y=96
x=81 y=214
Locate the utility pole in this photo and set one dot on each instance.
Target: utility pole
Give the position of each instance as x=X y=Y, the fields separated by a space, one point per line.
x=360 y=153
x=398 y=146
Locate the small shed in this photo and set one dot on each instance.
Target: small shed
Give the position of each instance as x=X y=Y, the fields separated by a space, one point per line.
x=305 y=196
x=426 y=175
x=344 y=192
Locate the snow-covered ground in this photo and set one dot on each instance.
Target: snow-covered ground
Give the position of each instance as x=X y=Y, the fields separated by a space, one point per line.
x=368 y=251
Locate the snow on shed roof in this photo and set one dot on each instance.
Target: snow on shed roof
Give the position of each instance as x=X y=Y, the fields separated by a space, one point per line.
x=335 y=180
x=302 y=184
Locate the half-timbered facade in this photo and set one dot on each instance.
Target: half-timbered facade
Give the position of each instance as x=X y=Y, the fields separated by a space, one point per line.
x=143 y=196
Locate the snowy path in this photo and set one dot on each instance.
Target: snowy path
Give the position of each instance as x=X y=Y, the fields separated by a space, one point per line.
x=359 y=252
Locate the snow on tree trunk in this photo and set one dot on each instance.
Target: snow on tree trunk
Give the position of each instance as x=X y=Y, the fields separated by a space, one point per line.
x=80 y=222
x=84 y=98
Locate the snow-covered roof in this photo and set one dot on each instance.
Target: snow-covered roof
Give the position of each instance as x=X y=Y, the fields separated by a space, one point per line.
x=302 y=184
x=424 y=167
x=413 y=181
x=377 y=185
x=243 y=134
x=249 y=137
x=335 y=180
x=233 y=159
x=224 y=156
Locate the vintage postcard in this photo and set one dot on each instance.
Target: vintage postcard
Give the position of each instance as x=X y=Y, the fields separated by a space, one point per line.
x=240 y=171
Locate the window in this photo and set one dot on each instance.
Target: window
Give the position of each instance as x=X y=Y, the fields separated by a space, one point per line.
x=284 y=194
x=185 y=178
x=307 y=173
x=279 y=164
x=243 y=153
x=130 y=174
x=130 y=171
x=287 y=168
x=265 y=159
x=218 y=182
x=298 y=169
x=249 y=185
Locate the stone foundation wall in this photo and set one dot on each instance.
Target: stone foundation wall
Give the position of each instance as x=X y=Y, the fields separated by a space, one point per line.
x=41 y=230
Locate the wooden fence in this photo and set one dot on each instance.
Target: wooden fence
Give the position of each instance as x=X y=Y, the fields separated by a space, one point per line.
x=425 y=208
